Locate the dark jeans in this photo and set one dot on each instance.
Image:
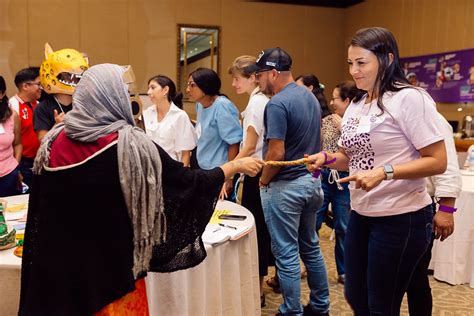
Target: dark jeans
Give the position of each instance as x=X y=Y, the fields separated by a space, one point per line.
x=340 y=201
x=9 y=184
x=26 y=169
x=381 y=254
x=420 y=301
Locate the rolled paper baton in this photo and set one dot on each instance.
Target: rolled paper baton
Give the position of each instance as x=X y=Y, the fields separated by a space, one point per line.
x=302 y=161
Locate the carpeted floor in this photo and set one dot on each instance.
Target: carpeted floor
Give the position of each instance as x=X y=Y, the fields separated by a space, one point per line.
x=447 y=299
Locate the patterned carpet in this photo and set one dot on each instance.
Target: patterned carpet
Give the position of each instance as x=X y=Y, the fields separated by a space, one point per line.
x=447 y=299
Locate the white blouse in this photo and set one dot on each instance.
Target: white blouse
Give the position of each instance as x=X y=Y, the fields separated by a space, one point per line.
x=253 y=116
x=174 y=133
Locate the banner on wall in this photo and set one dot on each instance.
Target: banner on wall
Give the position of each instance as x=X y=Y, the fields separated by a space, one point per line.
x=448 y=77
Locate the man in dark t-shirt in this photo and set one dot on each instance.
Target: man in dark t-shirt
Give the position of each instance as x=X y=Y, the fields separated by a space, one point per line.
x=50 y=112
x=290 y=195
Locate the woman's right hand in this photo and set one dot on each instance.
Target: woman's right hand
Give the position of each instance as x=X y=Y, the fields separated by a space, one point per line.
x=249 y=165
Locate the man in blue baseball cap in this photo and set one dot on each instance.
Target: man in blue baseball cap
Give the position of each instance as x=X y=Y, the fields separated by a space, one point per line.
x=290 y=195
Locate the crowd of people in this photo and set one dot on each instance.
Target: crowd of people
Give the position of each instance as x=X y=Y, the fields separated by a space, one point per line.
x=369 y=153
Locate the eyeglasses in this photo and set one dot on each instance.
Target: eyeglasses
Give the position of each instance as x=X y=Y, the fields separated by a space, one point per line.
x=191 y=84
x=34 y=84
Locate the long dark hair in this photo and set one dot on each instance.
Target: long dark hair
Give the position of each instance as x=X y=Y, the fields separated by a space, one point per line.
x=5 y=111
x=390 y=76
x=173 y=96
x=348 y=89
x=207 y=80
x=318 y=91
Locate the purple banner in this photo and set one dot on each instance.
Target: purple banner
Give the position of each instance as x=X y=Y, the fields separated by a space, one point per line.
x=448 y=77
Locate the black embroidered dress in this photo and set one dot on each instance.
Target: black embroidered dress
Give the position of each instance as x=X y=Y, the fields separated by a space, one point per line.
x=78 y=250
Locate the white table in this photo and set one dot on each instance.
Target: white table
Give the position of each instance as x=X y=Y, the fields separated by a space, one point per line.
x=10 y=268
x=453 y=259
x=225 y=283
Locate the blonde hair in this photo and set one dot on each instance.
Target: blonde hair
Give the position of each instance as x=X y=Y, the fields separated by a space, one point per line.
x=239 y=65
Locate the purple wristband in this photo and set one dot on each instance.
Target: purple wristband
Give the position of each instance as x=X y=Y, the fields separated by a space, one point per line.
x=447 y=209
x=326 y=162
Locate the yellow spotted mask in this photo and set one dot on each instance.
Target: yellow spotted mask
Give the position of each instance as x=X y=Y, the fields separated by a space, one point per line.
x=62 y=70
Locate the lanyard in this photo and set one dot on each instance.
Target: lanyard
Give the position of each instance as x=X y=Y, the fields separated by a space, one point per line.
x=59 y=104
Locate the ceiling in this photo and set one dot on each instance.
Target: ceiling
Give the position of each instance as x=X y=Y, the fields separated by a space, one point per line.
x=316 y=3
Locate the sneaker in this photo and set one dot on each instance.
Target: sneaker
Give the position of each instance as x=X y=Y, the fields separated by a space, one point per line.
x=308 y=311
x=341 y=279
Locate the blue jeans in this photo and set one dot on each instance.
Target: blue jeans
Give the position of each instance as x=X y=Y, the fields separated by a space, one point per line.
x=381 y=255
x=340 y=201
x=289 y=207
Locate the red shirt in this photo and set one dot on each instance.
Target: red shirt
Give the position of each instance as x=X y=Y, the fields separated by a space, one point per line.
x=29 y=140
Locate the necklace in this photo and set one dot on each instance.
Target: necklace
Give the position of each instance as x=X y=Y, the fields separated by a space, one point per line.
x=59 y=104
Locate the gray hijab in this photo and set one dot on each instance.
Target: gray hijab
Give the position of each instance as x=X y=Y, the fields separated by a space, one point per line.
x=101 y=105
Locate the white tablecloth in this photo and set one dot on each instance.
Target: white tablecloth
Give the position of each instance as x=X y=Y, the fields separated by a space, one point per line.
x=10 y=268
x=453 y=259
x=227 y=283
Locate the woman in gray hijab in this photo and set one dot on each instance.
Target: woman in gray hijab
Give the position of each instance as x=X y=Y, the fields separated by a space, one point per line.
x=109 y=205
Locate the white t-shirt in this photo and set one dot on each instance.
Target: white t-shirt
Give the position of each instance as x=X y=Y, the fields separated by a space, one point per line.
x=253 y=116
x=174 y=133
x=408 y=124
x=449 y=183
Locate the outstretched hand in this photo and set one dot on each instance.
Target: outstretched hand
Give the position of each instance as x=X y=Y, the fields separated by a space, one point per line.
x=366 y=180
x=250 y=166
x=315 y=162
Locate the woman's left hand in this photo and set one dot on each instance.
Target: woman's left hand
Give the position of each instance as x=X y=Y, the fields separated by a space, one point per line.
x=223 y=194
x=226 y=189
x=366 y=180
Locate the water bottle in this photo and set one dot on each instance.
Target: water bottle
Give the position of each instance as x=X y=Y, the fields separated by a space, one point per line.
x=471 y=161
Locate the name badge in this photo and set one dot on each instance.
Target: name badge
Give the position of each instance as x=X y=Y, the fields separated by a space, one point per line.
x=364 y=125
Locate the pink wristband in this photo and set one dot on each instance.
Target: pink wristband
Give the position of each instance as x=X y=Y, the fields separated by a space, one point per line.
x=447 y=209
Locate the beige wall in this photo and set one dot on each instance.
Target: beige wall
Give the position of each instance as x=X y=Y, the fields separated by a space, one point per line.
x=143 y=33
x=421 y=27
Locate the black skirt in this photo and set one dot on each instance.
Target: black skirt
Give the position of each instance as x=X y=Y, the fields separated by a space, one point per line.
x=251 y=201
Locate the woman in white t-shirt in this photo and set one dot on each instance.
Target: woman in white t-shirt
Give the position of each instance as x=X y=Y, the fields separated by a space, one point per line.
x=166 y=123
x=244 y=81
x=388 y=134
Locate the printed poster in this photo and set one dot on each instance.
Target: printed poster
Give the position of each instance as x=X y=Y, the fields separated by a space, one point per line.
x=448 y=77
